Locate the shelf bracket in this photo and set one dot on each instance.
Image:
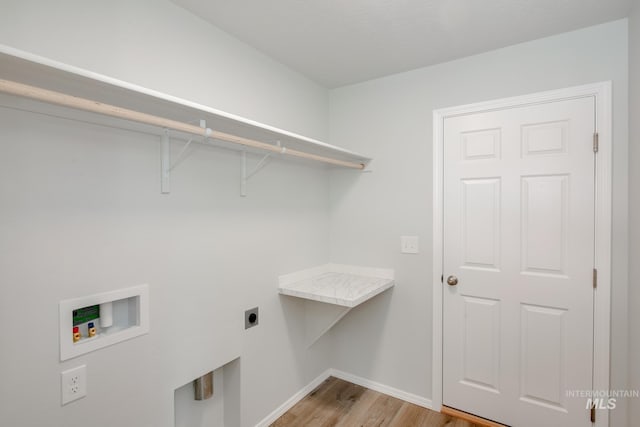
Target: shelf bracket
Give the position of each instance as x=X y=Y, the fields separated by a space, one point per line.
x=338 y=316
x=181 y=154
x=165 y=163
x=244 y=175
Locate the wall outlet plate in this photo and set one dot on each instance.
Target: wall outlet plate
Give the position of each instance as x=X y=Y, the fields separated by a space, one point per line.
x=251 y=318
x=73 y=384
x=409 y=244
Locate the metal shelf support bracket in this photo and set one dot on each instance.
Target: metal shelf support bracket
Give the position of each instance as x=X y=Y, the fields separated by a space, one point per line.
x=165 y=163
x=244 y=175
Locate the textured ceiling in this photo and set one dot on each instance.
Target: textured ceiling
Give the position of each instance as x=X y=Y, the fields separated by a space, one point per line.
x=339 y=42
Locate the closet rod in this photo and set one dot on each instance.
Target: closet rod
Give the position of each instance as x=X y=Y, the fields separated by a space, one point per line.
x=77 y=103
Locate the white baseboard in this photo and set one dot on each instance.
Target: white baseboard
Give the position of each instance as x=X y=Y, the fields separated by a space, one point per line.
x=384 y=389
x=380 y=388
x=272 y=417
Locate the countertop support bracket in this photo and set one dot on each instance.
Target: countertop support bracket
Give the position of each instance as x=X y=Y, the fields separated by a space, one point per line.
x=326 y=329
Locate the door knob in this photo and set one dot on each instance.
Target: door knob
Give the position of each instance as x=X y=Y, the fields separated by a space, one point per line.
x=452 y=280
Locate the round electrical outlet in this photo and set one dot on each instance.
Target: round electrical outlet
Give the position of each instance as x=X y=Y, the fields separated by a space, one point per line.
x=251 y=318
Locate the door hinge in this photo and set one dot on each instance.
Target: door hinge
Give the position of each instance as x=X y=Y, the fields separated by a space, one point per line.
x=593 y=413
x=596 y=142
x=595 y=278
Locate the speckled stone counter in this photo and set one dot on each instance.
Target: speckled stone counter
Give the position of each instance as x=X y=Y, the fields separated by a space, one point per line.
x=343 y=285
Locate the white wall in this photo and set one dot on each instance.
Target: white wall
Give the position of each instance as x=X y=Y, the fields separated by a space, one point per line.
x=389 y=339
x=81 y=212
x=634 y=208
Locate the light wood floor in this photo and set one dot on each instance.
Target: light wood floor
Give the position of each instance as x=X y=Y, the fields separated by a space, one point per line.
x=340 y=403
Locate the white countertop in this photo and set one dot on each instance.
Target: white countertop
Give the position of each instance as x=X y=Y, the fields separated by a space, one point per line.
x=337 y=284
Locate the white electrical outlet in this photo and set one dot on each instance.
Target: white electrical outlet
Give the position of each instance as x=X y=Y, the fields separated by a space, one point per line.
x=74 y=384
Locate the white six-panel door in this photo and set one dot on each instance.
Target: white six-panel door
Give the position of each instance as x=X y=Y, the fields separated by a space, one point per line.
x=519 y=239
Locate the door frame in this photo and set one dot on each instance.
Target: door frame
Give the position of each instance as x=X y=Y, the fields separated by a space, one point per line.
x=603 y=223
